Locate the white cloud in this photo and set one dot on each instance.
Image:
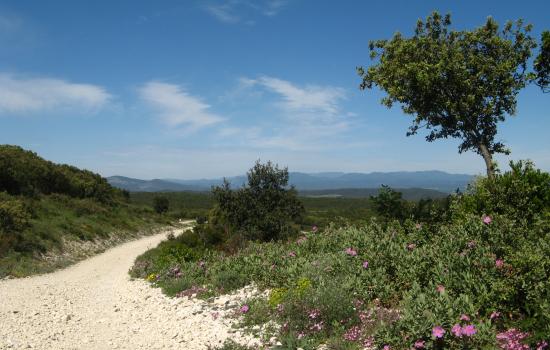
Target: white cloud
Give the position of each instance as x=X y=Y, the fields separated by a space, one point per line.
x=308 y=99
x=176 y=107
x=237 y=11
x=27 y=95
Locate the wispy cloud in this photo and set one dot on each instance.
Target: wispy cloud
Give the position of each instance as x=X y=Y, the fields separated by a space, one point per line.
x=237 y=11
x=26 y=95
x=305 y=118
x=176 y=107
x=308 y=99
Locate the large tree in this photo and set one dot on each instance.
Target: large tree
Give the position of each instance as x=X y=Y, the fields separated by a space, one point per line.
x=457 y=84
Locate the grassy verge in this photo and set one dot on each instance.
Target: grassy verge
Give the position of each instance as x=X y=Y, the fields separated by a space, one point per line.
x=60 y=230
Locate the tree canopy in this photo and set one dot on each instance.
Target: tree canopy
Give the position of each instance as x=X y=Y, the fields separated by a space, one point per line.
x=542 y=63
x=265 y=208
x=455 y=84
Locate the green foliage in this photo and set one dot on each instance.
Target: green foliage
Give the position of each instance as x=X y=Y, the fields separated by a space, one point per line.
x=457 y=84
x=43 y=205
x=161 y=204
x=389 y=204
x=265 y=209
x=25 y=173
x=521 y=194
x=392 y=284
x=542 y=62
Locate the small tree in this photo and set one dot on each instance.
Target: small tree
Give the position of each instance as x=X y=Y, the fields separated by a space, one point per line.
x=161 y=204
x=266 y=208
x=389 y=204
x=456 y=84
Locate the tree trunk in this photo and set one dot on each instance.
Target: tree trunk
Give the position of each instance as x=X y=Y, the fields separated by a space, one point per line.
x=488 y=158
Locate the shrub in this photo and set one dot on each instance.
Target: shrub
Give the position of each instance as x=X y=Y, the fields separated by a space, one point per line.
x=265 y=209
x=161 y=204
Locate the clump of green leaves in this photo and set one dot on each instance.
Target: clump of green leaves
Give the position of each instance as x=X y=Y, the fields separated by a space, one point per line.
x=264 y=209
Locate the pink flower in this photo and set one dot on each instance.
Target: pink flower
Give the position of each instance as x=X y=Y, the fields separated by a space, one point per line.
x=411 y=246
x=469 y=330
x=457 y=331
x=512 y=339
x=494 y=315
x=245 y=308
x=438 y=332
x=313 y=314
x=418 y=226
x=499 y=263
x=387 y=347
x=301 y=240
x=201 y=264
x=215 y=315
x=314 y=228
x=471 y=244
x=292 y=254
x=542 y=345
x=487 y=219
x=464 y=317
x=351 y=252
x=365 y=264
x=419 y=344
x=440 y=288
x=353 y=334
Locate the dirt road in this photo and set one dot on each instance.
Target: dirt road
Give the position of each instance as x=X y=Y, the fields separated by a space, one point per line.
x=95 y=305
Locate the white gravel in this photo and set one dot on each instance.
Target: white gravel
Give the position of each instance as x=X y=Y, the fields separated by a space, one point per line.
x=95 y=305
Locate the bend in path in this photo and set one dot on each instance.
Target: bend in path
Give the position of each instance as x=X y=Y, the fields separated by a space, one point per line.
x=95 y=305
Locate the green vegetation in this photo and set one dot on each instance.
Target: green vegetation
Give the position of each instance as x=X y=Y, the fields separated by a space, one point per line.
x=44 y=205
x=458 y=84
x=477 y=280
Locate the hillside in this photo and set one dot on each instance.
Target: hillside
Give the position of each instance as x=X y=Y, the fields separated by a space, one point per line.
x=412 y=194
x=433 y=180
x=48 y=209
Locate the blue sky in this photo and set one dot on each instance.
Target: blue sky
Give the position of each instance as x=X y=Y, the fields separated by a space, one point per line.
x=192 y=89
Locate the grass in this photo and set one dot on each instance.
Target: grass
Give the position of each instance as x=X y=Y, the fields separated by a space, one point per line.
x=56 y=220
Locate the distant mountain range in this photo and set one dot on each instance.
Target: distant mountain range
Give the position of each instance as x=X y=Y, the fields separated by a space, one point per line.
x=346 y=182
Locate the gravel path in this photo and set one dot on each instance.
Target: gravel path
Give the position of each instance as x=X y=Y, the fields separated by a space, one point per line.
x=95 y=305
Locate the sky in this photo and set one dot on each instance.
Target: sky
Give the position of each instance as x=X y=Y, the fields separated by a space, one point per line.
x=202 y=89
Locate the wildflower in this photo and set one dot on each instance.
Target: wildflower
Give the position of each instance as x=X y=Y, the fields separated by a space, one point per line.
x=317 y=326
x=542 y=345
x=280 y=308
x=368 y=343
x=314 y=228
x=494 y=315
x=471 y=244
x=411 y=246
x=440 y=288
x=418 y=226
x=313 y=314
x=469 y=330
x=351 y=252
x=201 y=264
x=365 y=264
x=215 y=315
x=301 y=240
x=457 y=331
x=273 y=267
x=387 y=347
x=292 y=254
x=419 y=344
x=353 y=334
x=464 y=317
x=512 y=339
x=245 y=308
x=499 y=263
x=301 y=335
x=438 y=332
x=487 y=219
